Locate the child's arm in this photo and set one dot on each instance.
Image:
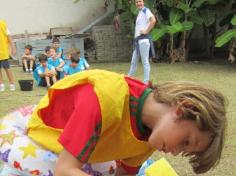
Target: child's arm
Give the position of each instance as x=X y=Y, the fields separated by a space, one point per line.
x=59 y=67
x=31 y=57
x=68 y=165
x=12 y=45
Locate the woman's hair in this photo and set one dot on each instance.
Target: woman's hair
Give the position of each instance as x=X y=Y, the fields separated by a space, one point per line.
x=207 y=108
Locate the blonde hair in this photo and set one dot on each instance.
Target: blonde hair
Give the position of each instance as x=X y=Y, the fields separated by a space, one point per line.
x=73 y=51
x=207 y=108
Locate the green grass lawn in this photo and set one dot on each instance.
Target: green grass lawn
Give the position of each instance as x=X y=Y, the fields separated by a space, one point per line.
x=221 y=76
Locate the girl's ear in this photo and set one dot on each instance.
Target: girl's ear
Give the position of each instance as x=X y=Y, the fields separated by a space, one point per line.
x=178 y=113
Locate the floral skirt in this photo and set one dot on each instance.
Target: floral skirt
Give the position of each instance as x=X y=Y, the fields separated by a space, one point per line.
x=21 y=156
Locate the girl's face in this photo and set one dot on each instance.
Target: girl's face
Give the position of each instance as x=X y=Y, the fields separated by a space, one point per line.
x=44 y=64
x=48 y=53
x=27 y=51
x=171 y=134
x=53 y=53
x=56 y=45
x=139 y=4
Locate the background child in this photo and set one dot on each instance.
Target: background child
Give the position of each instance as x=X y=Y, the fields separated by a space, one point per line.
x=6 y=46
x=56 y=46
x=83 y=64
x=47 y=51
x=73 y=67
x=174 y=117
x=57 y=62
x=28 y=60
x=45 y=74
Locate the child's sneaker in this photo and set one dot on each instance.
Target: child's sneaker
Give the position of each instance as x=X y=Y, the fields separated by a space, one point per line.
x=2 y=87
x=30 y=71
x=12 y=87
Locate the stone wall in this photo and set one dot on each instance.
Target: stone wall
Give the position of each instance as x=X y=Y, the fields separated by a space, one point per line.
x=111 y=45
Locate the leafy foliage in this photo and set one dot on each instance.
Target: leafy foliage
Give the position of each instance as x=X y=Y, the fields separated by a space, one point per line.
x=227 y=36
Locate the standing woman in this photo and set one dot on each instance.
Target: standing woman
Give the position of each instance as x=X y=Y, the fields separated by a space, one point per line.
x=144 y=23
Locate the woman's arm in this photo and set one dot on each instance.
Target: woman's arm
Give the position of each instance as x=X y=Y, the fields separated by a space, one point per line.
x=68 y=165
x=12 y=45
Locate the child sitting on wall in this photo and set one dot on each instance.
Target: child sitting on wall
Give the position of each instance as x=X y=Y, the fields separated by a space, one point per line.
x=58 y=48
x=28 y=60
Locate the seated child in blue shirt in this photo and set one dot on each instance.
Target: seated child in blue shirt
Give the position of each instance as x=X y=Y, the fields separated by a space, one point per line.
x=45 y=74
x=57 y=62
x=28 y=60
x=47 y=51
x=83 y=64
x=73 y=67
x=59 y=50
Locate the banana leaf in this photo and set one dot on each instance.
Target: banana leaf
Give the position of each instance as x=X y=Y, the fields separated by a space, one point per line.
x=157 y=33
x=187 y=25
x=213 y=2
x=194 y=17
x=226 y=18
x=233 y=21
x=208 y=17
x=150 y=3
x=177 y=27
x=133 y=9
x=184 y=7
x=198 y=3
x=225 y=38
x=175 y=15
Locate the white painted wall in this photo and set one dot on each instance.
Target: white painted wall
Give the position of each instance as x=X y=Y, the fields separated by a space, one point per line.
x=39 y=16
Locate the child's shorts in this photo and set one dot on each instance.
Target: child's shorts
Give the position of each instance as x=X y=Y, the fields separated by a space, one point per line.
x=4 y=64
x=22 y=156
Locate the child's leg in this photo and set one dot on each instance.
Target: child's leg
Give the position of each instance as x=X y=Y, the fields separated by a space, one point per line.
x=6 y=67
x=2 y=86
x=24 y=61
x=1 y=78
x=47 y=79
x=9 y=75
x=54 y=79
x=31 y=64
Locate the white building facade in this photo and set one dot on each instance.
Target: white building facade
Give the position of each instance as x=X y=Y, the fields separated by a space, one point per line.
x=38 y=16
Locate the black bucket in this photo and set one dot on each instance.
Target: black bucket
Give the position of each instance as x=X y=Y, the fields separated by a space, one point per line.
x=26 y=85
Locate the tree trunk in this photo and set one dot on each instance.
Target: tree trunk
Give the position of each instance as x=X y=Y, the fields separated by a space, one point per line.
x=206 y=41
